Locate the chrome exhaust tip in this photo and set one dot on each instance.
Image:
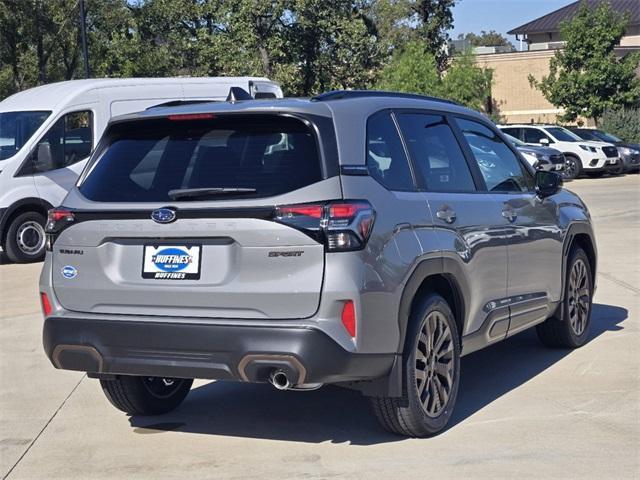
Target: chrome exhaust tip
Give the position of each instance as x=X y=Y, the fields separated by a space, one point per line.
x=280 y=380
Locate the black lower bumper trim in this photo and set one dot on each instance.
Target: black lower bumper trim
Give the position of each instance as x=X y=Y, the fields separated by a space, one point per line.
x=198 y=350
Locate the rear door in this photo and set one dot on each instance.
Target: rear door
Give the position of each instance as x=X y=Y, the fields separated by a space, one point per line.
x=467 y=220
x=135 y=247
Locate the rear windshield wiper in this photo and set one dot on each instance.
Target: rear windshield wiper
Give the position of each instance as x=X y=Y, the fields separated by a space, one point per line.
x=207 y=192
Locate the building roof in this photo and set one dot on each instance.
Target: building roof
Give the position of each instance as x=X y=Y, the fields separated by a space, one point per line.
x=551 y=22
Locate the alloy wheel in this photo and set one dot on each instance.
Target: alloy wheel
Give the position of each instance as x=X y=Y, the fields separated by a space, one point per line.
x=434 y=366
x=30 y=237
x=579 y=298
x=570 y=168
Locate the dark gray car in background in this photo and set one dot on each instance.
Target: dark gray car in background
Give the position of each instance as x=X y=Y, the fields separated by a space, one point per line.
x=540 y=158
x=364 y=239
x=629 y=152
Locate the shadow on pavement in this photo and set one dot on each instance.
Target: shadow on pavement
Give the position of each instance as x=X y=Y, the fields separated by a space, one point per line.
x=339 y=415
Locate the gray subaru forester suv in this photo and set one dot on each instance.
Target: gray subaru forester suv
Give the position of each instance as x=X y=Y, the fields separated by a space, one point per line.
x=365 y=239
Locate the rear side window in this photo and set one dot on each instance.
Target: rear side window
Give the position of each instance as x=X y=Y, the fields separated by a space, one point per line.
x=514 y=132
x=436 y=153
x=247 y=156
x=533 y=135
x=386 y=159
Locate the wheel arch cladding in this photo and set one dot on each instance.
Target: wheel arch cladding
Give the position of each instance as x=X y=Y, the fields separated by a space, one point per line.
x=442 y=276
x=585 y=242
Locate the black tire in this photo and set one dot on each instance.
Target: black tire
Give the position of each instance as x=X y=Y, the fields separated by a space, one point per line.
x=409 y=414
x=572 y=168
x=141 y=396
x=25 y=240
x=569 y=328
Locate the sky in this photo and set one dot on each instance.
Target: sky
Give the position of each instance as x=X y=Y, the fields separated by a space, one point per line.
x=499 y=15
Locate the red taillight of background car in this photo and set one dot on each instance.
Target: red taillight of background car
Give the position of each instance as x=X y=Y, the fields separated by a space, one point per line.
x=342 y=226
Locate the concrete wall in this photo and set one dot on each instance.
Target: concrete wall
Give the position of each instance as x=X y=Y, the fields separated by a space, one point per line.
x=513 y=96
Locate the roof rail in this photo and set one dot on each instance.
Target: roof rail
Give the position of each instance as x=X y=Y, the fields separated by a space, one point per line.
x=344 y=94
x=178 y=103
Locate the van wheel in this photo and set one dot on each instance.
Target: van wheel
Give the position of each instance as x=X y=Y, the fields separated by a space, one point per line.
x=431 y=374
x=572 y=329
x=146 y=395
x=25 y=238
x=572 y=167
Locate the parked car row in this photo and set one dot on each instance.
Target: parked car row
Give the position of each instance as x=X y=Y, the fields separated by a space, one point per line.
x=586 y=151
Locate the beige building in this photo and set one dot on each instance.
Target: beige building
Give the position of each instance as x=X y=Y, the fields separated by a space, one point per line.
x=512 y=95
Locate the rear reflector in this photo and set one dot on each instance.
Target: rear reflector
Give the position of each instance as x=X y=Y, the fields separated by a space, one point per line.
x=191 y=116
x=349 y=318
x=46 y=305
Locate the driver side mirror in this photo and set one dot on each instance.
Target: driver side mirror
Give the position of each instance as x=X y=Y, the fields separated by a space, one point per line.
x=547 y=183
x=42 y=158
x=544 y=141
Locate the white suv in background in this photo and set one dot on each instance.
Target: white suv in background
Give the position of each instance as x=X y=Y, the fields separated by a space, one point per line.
x=593 y=158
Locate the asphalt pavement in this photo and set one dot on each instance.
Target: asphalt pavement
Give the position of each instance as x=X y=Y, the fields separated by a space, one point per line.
x=523 y=410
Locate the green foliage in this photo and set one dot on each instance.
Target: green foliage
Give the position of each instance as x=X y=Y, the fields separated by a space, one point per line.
x=623 y=123
x=307 y=45
x=486 y=39
x=434 y=19
x=415 y=71
x=586 y=77
x=466 y=83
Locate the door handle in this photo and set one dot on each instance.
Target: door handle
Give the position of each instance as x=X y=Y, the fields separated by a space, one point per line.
x=446 y=214
x=509 y=214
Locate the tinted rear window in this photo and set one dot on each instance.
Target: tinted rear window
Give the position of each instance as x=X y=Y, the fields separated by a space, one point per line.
x=147 y=159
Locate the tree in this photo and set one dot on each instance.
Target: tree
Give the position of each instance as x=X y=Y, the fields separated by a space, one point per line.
x=466 y=83
x=486 y=39
x=415 y=71
x=623 y=122
x=586 y=77
x=434 y=19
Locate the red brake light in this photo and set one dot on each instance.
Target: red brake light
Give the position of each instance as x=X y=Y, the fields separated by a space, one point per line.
x=46 y=305
x=56 y=215
x=314 y=211
x=342 y=226
x=343 y=210
x=191 y=116
x=349 y=318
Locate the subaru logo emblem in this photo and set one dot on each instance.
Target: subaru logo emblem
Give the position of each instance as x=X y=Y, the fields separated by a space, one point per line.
x=163 y=215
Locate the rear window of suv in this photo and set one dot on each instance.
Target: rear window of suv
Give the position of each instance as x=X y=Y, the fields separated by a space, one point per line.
x=237 y=156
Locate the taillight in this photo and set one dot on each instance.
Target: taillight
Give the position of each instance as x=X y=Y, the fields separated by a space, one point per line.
x=342 y=226
x=46 y=305
x=57 y=220
x=349 y=318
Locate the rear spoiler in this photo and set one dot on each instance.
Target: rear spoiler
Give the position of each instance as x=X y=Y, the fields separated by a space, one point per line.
x=236 y=94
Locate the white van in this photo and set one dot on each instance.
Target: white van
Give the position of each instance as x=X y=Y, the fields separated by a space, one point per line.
x=47 y=133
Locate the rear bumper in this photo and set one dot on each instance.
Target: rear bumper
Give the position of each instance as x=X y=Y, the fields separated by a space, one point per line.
x=199 y=350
